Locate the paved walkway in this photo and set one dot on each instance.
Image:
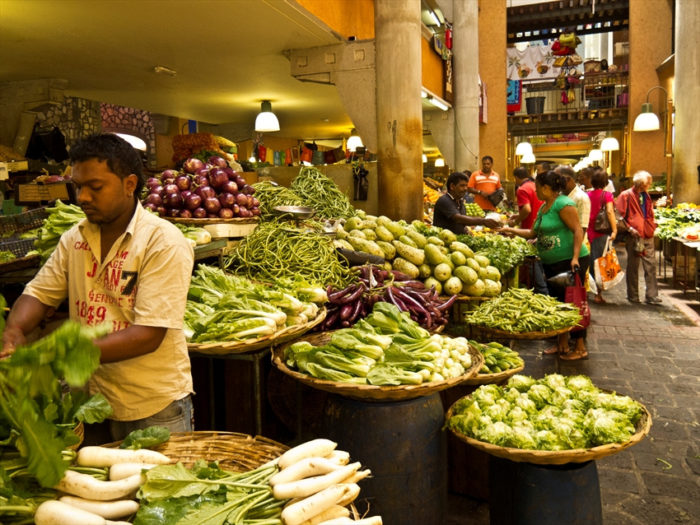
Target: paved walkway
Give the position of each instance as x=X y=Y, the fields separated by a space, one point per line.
x=651 y=353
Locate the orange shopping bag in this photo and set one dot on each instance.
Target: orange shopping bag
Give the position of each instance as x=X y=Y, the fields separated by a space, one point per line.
x=607 y=268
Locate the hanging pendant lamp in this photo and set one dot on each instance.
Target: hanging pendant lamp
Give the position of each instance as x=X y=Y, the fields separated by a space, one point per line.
x=266 y=119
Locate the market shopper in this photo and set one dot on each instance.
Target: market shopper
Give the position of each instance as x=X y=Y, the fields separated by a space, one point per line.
x=576 y=194
x=124 y=267
x=600 y=197
x=559 y=244
x=484 y=183
x=450 y=212
x=637 y=211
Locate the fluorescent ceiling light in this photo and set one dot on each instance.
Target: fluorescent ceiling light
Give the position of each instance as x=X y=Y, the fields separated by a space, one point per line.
x=438 y=103
x=266 y=119
x=425 y=158
x=439 y=162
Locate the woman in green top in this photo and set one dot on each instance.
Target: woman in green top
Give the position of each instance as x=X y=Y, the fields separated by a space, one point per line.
x=559 y=242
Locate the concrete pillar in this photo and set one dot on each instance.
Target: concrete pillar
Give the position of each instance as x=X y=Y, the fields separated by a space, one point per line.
x=686 y=150
x=399 y=116
x=465 y=45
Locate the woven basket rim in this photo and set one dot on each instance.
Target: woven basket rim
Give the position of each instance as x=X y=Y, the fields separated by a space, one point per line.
x=555 y=457
x=373 y=392
x=522 y=335
x=486 y=379
x=233 y=450
x=242 y=347
x=233 y=220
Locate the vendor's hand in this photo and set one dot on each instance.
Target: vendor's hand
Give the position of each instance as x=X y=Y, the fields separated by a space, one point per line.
x=575 y=265
x=11 y=338
x=490 y=223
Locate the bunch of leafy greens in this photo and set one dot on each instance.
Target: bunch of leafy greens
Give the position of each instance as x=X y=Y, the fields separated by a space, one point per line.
x=505 y=253
x=62 y=217
x=146 y=437
x=208 y=494
x=672 y=220
x=36 y=418
x=553 y=413
x=385 y=348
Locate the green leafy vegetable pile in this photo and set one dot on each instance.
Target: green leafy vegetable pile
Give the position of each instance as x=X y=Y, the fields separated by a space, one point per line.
x=672 y=220
x=385 y=348
x=553 y=413
x=277 y=250
x=521 y=310
x=497 y=358
x=505 y=253
x=146 y=437
x=322 y=194
x=225 y=307
x=62 y=218
x=207 y=494
x=7 y=256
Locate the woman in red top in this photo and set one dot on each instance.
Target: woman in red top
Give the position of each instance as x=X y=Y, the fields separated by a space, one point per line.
x=599 y=197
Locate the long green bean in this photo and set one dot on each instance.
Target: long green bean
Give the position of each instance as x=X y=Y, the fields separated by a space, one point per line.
x=322 y=194
x=277 y=250
x=270 y=195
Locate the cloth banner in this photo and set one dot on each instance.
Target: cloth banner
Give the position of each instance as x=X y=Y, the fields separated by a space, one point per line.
x=514 y=97
x=533 y=63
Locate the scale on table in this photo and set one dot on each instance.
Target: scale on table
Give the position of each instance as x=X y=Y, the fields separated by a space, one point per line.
x=294 y=213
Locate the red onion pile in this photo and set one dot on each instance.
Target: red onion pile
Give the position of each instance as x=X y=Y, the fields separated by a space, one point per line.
x=210 y=190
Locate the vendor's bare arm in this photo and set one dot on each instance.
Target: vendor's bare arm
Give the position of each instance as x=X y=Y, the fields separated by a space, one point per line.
x=474 y=221
x=26 y=314
x=131 y=342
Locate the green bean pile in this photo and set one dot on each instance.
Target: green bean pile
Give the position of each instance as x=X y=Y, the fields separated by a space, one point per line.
x=322 y=194
x=276 y=250
x=521 y=310
x=271 y=195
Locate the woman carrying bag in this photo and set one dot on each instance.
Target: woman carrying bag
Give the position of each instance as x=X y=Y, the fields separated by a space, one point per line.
x=600 y=200
x=560 y=247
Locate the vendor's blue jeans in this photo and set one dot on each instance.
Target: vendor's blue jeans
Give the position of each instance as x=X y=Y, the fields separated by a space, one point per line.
x=178 y=416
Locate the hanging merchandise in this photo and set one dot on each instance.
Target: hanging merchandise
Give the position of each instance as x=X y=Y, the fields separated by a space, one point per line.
x=288 y=157
x=262 y=153
x=306 y=154
x=277 y=156
x=317 y=158
x=360 y=182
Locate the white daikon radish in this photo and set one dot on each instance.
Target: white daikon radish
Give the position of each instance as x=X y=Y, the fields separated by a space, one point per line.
x=341 y=457
x=313 y=448
x=106 y=457
x=374 y=520
x=357 y=476
x=308 y=486
x=107 y=509
x=305 y=468
x=54 y=512
x=313 y=505
x=336 y=511
x=87 y=487
x=124 y=470
x=349 y=495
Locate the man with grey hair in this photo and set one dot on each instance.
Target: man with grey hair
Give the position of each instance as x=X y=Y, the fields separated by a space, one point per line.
x=637 y=210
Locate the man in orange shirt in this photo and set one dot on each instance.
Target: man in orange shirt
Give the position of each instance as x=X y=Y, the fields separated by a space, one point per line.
x=483 y=183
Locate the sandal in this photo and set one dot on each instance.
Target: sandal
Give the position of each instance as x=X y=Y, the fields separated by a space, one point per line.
x=599 y=300
x=552 y=350
x=574 y=356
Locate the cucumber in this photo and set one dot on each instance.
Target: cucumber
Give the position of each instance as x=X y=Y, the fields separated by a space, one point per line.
x=407 y=240
x=387 y=248
x=407 y=267
x=411 y=254
x=383 y=234
x=417 y=237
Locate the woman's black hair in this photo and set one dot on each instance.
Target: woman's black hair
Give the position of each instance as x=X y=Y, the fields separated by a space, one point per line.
x=552 y=179
x=122 y=159
x=522 y=172
x=599 y=179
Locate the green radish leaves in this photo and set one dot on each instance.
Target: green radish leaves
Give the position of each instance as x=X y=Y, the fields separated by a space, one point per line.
x=146 y=438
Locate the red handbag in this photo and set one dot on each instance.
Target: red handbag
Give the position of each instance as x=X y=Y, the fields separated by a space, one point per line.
x=576 y=294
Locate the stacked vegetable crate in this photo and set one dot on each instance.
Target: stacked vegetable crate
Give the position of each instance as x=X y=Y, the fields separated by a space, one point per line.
x=11 y=229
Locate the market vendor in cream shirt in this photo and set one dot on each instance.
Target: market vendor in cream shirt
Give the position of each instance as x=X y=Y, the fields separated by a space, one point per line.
x=125 y=267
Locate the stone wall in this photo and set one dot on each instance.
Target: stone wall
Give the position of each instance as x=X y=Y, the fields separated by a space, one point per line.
x=137 y=122
x=76 y=118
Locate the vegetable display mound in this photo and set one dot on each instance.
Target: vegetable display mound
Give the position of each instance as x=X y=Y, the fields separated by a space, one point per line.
x=277 y=250
x=386 y=348
x=497 y=358
x=553 y=413
x=322 y=194
x=222 y=307
x=520 y=310
x=672 y=221
x=62 y=217
x=505 y=253
x=272 y=195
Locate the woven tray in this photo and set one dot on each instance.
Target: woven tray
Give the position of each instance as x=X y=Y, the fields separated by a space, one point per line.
x=556 y=457
x=204 y=222
x=487 y=379
x=241 y=347
x=233 y=451
x=495 y=332
x=20 y=248
x=372 y=392
x=22 y=222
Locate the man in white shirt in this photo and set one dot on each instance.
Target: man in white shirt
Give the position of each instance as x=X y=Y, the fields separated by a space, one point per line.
x=124 y=267
x=576 y=194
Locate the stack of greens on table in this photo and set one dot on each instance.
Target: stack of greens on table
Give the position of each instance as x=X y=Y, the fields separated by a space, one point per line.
x=497 y=358
x=278 y=250
x=62 y=217
x=37 y=419
x=385 y=348
x=195 y=234
x=225 y=307
x=505 y=253
x=553 y=413
x=322 y=194
x=672 y=220
x=520 y=310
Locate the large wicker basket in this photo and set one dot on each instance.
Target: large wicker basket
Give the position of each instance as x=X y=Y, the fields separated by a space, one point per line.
x=242 y=347
x=484 y=331
x=372 y=392
x=488 y=379
x=233 y=451
x=556 y=457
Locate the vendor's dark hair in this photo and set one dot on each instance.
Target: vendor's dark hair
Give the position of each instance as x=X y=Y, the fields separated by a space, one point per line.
x=487 y=157
x=567 y=171
x=455 y=178
x=599 y=179
x=122 y=159
x=551 y=179
x=521 y=172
